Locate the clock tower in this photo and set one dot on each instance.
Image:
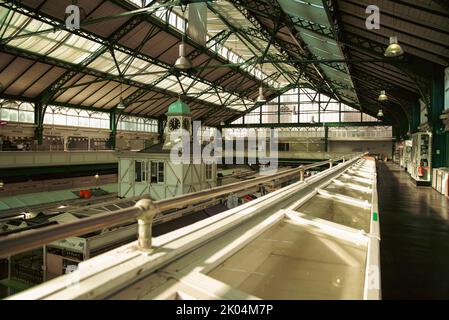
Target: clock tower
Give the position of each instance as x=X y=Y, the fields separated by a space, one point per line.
x=153 y=171
x=179 y=118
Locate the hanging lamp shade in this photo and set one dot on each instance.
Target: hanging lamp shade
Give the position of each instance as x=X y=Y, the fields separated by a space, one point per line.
x=393 y=49
x=312 y=120
x=183 y=63
x=380 y=113
x=383 y=96
x=261 y=97
x=121 y=104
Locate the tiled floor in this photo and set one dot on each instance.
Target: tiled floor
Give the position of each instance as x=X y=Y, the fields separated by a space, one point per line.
x=415 y=237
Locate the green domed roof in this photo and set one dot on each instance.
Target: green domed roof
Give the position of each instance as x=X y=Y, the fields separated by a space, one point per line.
x=178 y=107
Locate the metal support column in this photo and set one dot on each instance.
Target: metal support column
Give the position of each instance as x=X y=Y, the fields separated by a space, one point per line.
x=113 y=128
x=160 y=129
x=440 y=138
x=9 y=274
x=326 y=139
x=39 y=122
x=44 y=263
x=279 y=109
x=415 y=117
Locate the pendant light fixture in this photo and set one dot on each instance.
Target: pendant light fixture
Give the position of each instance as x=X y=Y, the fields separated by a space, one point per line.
x=121 y=104
x=183 y=62
x=261 y=98
x=383 y=96
x=380 y=113
x=394 y=49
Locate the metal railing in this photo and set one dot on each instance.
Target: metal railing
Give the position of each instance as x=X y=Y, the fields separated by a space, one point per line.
x=143 y=211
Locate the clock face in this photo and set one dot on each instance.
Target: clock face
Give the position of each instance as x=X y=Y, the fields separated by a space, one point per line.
x=174 y=124
x=186 y=124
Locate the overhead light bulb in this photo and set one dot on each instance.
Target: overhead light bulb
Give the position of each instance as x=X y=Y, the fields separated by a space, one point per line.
x=312 y=120
x=380 y=113
x=393 y=49
x=121 y=104
x=183 y=62
x=261 y=97
x=382 y=96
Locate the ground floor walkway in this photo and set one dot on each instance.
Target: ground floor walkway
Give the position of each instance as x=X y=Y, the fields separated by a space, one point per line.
x=415 y=237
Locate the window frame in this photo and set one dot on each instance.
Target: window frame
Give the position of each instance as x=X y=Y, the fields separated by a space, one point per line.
x=156 y=172
x=209 y=171
x=143 y=171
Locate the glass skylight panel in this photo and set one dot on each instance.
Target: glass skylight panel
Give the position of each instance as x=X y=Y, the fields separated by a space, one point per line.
x=137 y=66
x=146 y=79
x=69 y=47
x=233 y=49
x=239 y=102
x=104 y=63
x=17 y=21
x=61 y=44
x=138 y=70
x=209 y=98
x=169 y=83
x=82 y=46
x=39 y=44
x=224 y=96
x=197 y=86
x=238 y=107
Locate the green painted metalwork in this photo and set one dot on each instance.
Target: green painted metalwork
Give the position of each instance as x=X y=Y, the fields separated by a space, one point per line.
x=326 y=138
x=39 y=122
x=415 y=117
x=178 y=108
x=303 y=16
x=109 y=44
x=440 y=153
x=113 y=121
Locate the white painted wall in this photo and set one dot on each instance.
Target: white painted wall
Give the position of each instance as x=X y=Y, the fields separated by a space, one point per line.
x=179 y=178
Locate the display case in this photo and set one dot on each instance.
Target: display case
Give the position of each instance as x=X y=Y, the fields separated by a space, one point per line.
x=406 y=159
x=398 y=152
x=421 y=170
x=440 y=180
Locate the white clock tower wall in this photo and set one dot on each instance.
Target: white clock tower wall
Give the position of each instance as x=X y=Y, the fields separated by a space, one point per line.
x=150 y=171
